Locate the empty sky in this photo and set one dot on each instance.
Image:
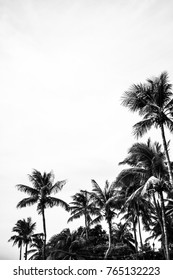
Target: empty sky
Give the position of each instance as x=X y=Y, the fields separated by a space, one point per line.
x=64 y=65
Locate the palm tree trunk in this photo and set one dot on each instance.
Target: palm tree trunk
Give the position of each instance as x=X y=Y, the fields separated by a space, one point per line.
x=164 y=227
x=86 y=226
x=160 y=222
x=140 y=235
x=26 y=250
x=20 y=256
x=134 y=230
x=110 y=241
x=157 y=211
x=139 y=227
x=167 y=154
x=44 y=230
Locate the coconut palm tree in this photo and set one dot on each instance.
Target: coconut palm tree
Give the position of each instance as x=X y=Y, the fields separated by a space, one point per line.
x=66 y=246
x=36 y=247
x=127 y=182
x=82 y=205
x=105 y=200
x=122 y=234
x=25 y=229
x=149 y=160
x=18 y=238
x=40 y=194
x=153 y=101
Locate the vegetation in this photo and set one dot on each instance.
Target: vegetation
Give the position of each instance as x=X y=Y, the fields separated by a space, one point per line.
x=140 y=199
x=24 y=230
x=40 y=193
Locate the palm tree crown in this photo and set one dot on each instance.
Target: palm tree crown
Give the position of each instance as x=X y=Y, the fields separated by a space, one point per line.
x=153 y=101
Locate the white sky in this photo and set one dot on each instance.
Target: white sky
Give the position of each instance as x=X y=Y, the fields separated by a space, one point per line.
x=64 y=65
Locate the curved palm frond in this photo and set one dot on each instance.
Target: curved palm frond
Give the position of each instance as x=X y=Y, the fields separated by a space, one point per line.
x=27 y=201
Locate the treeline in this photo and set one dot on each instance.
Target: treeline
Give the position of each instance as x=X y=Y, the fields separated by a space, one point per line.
x=141 y=197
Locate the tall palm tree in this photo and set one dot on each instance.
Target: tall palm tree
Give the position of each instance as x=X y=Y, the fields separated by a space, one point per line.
x=127 y=182
x=160 y=186
x=105 y=200
x=154 y=102
x=25 y=229
x=40 y=194
x=149 y=160
x=82 y=205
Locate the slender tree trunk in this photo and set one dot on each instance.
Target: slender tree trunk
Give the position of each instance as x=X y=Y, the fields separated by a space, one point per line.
x=26 y=250
x=44 y=230
x=86 y=226
x=110 y=240
x=164 y=227
x=135 y=236
x=139 y=227
x=20 y=256
x=160 y=222
x=167 y=154
x=140 y=235
x=157 y=211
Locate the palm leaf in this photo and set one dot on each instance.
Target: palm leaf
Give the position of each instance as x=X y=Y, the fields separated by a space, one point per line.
x=27 y=189
x=57 y=186
x=27 y=201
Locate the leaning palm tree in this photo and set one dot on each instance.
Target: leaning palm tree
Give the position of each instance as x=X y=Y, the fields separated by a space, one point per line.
x=82 y=205
x=40 y=194
x=105 y=200
x=154 y=102
x=25 y=229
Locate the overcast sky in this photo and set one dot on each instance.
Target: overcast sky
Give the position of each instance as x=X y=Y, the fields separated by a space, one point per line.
x=64 y=65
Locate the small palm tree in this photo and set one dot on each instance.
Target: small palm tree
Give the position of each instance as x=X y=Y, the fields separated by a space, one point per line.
x=40 y=194
x=82 y=205
x=17 y=240
x=36 y=247
x=122 y=234
x=66 y=246
x=105 y=200
x=25 y=229
x=154 y=102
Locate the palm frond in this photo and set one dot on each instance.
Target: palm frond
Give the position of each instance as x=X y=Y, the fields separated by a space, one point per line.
x=27 y=189
x=140 y=128
x=77 y=215
x=53 y=201
x=57 y=186
x=27 y=201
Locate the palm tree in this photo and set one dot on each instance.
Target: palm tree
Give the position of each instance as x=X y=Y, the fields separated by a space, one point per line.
x=122 y=234
x=82 y=205
x=25 y=229
x=40 y=194
x=149 y=160
x=127 y=182
x=36 y=247
x=105 y=200
x=153 y=100
x=18 y=238
x=66 y=246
